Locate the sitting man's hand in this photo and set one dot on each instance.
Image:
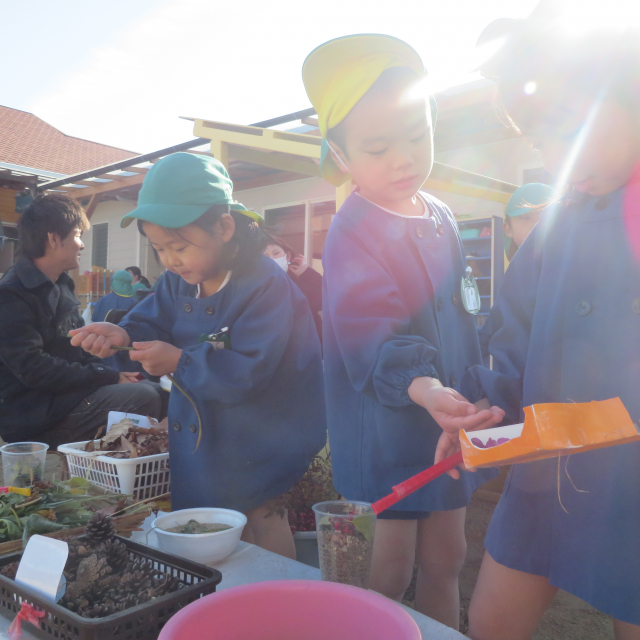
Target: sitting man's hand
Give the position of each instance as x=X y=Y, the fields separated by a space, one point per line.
x=98 y=337
x=126 y=377
x=158 y=358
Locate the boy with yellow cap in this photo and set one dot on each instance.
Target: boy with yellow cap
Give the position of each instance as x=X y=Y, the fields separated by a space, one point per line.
x=396 y=325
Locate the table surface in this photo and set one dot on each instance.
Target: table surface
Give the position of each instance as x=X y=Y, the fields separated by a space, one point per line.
x=248 y=564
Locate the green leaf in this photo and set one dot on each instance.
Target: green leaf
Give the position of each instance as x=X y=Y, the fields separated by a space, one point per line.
x=366 y=525
x=79 y=483
x=38 y=525
x=9 y=530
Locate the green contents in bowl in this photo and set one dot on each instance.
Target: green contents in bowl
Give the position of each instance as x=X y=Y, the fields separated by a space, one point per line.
x=193 y=527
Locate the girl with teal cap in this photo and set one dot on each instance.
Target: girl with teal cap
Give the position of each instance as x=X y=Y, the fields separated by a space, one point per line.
x=246 y=412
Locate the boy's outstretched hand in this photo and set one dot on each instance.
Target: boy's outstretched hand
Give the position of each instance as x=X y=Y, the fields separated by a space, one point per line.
x=450 y=409
x=98 y=337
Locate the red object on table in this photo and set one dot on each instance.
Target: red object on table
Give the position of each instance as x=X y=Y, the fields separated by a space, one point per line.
x=419 y=480
x=28 y=614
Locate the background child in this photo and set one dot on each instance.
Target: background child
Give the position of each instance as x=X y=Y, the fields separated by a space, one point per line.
x=571 y=333
x=520 y=217
x=308 y=280
x=260 y=401
x=392 y=326
x=121 y=296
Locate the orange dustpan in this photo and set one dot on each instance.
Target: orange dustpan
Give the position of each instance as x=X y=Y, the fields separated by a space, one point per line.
x=549 y=430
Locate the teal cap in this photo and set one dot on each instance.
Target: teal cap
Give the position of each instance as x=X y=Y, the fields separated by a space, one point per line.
x=121 y=283
x=180 y=188
x=139 y=285
x=521 y=201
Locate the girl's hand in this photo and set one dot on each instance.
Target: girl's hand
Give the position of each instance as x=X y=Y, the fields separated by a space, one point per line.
x=97 y=338
x=158 y=358
x=298 y=265
x=448 y=408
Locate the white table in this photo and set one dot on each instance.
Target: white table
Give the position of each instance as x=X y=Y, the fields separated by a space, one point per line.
x=248 y=564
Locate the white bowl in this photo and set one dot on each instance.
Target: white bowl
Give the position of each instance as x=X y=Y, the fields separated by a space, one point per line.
x=206 y=548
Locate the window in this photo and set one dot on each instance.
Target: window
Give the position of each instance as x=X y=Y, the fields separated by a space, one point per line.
x=288 y=224
x=99 y=245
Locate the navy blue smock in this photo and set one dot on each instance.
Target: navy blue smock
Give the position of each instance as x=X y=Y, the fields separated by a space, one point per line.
x=392 y=312
x=111 y=301
x=571 y=306
x=261 y=402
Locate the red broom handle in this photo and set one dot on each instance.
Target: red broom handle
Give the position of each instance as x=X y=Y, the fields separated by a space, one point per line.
x=419 y=480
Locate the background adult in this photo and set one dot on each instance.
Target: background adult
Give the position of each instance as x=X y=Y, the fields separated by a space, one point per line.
x=139 y=281
x=51 y=391
x=308 y=280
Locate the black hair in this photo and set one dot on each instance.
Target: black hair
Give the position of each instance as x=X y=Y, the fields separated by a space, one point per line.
x=134 y=271
x=271 y=238
x=48 y=214
x=243 y=250
x=598 y=63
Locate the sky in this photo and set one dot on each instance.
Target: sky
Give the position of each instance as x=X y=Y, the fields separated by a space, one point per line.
x=122 y=72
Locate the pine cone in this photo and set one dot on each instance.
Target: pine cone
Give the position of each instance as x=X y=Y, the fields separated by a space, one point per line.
x=100 y=528
x=124 y=602
x=10 y=570
x=97 y=611
x=116 y=553
x=77 y=604
x=92 y=569
x=165 y=583
x=78 y=551
x=136 y=581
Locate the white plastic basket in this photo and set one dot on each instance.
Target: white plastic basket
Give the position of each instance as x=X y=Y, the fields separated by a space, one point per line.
x=141 y=478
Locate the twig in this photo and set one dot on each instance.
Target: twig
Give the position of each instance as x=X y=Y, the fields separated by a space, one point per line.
x=164 y=496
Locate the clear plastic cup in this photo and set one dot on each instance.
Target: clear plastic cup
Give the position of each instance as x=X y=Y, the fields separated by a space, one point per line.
x=23 y=463
x=345 y=541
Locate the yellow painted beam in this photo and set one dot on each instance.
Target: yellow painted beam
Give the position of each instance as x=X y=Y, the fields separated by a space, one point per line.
x=343 y=192
x=284 y=162
x=298 y=144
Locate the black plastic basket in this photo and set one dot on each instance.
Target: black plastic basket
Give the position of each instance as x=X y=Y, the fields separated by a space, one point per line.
x=143 y=622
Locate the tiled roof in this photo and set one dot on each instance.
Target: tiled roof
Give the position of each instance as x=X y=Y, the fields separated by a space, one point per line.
x=28 y=141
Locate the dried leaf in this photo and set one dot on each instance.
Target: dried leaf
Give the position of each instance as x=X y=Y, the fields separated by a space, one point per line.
x=90 y=446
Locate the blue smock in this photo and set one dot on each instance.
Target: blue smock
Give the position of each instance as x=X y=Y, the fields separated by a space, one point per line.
x=571 y=307
x=392 y=312
x=261 y=402
x=111 y=301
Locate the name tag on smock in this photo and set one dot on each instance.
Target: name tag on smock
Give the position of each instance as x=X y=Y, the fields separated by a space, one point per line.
x=469 y=293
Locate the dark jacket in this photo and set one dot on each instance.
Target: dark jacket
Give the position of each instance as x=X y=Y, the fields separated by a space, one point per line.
x=310 y=283
x=42 y=377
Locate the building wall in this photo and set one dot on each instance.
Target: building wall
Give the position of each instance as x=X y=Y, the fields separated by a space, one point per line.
x=8 y=205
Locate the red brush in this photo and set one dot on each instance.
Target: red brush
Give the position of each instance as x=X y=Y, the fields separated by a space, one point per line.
x=419 y=480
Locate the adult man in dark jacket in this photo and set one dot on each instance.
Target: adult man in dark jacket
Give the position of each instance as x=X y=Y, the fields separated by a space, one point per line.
x=51 y=391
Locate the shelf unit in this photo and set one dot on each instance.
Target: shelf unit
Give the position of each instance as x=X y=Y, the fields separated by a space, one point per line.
x=485 y=255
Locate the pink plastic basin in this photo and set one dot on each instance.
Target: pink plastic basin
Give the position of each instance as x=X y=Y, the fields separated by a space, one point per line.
x=292 y=610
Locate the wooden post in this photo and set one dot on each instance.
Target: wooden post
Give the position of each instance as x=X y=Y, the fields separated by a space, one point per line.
x=343 y=192
x=91 y=207
x=220 y=151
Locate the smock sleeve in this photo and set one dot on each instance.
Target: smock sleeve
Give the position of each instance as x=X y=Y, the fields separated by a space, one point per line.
x=259 y=337
x=371 y=325
x=516 y=300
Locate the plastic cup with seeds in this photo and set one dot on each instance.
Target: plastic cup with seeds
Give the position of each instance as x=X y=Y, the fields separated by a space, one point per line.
x=23 y=463
x=345 y=541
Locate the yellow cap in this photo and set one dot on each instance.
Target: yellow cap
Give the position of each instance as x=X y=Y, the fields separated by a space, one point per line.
x=339 y=72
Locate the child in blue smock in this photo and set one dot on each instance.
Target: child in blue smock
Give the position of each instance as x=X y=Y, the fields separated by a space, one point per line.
x=571 y=329
x=394 y=327
x=121 y=296
x=257 y=385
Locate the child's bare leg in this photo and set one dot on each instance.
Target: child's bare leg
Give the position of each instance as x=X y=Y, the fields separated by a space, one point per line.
x=394 y=552
x=507 y=604
x=441 y=551
x=626 y=631
x=271 y=532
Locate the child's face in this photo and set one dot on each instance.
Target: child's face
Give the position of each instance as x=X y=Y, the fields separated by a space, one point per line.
x=388 y=140
x=195 y=254
x=519 y=227
x=592 y=145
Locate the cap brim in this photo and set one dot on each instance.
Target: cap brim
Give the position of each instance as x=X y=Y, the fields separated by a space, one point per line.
x=254 y=215
x=169 y=216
